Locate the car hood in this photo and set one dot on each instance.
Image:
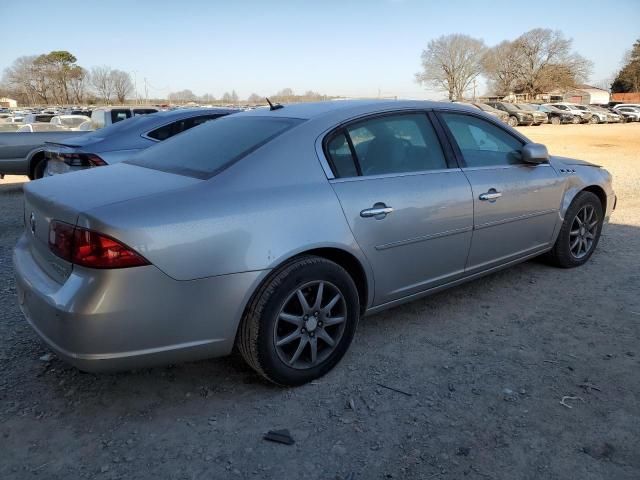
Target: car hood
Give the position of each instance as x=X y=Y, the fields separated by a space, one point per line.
x=566 y=161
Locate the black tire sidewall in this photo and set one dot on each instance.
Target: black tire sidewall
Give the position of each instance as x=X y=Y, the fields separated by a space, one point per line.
x=38 y=169
x=269 y=360
x=562 y=251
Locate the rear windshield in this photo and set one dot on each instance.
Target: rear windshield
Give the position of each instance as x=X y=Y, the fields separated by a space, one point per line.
x=203 y=151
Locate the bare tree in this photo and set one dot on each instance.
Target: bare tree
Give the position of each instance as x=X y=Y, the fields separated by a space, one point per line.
x=537 y=61
x=182 y=96
x=122 y=84
x=78 y=83
x=451 y=63
x=102 y=82
x=255 y=98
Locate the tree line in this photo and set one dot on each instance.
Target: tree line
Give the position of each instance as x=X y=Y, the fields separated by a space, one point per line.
x=286 y=95
x=56 y=78
x=538 y=61
x=628 y=78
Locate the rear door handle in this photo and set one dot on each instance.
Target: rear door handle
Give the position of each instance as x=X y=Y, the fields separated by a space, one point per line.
x=379 y=211
x=492 y=195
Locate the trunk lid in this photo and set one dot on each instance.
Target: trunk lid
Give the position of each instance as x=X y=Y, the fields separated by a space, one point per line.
x=65 y=197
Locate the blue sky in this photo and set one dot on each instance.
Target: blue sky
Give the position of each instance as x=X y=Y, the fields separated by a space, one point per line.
x=347 y=47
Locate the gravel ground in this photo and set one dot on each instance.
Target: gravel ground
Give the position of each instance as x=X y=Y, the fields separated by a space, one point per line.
x=485 y=366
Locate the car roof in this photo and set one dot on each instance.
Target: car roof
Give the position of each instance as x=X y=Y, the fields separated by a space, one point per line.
x=313 y=110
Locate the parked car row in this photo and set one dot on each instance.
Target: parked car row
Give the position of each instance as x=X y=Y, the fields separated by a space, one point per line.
x=527 y=114
x=274 y=230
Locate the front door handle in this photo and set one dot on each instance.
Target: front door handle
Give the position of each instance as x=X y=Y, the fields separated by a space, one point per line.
x=378 y=211
x=492 y=195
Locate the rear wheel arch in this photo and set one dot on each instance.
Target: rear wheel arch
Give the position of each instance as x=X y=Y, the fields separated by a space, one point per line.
x=34 y=159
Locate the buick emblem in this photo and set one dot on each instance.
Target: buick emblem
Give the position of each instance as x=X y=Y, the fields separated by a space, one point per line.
x=32 y=223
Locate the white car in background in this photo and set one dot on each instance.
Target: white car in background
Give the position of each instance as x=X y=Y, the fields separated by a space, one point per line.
x=40 y=127
x=584 y=115
x=629 y=111
x=71 y=122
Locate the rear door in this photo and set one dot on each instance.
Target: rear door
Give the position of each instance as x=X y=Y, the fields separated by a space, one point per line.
x=409 y=209
x=516 y=205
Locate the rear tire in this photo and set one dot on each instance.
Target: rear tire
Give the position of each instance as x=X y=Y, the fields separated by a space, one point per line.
x=580 y=232
x=38 y=169
x=288 y=342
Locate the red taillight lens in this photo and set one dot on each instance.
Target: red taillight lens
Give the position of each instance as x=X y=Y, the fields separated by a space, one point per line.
x=91 y=249
x=82 y=159
x=61 y=239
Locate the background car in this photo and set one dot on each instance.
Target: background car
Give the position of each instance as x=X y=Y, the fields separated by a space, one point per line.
x=555 y=115
x=274 y=230
x=502 y=115
x=122 y=140
x=517 y=116
x=630 y=112
x=581 y=115
x=72 y=122
x=539 y=117
x=104 y=116
x=41 y=127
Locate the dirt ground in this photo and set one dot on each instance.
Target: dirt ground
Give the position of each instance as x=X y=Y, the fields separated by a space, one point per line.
x=485 y=365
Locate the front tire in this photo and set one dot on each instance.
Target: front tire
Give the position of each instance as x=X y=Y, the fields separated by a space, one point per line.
x=512 y=121
x=38 y=169
x=576 y=120
x=555 y=120
x=300 y=322
x=580 y=232
x=595 y=119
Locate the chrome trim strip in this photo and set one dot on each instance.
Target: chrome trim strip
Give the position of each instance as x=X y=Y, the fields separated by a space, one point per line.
x=399 y=243
x=514 y=219
x=394 y=175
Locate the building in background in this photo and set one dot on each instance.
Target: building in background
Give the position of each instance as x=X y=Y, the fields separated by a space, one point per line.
x=8 y=103
x=587 y=95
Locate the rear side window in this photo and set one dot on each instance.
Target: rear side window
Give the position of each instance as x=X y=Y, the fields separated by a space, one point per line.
x=390 y=144
x=179 y=126
x=482 y=143
x=202 y=152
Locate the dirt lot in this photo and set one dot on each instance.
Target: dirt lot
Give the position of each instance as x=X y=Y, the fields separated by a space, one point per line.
x=486 y=366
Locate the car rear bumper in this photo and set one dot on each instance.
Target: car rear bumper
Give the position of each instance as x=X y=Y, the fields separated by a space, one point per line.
x=106 y=320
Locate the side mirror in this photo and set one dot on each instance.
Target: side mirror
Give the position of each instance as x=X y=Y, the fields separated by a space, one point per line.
x=535 y=153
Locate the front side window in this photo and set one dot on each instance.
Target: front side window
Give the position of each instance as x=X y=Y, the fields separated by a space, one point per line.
x=387 y=145
x=482 y=143
x=202 y=152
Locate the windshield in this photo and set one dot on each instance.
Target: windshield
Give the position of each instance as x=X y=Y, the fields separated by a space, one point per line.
x=524 y=106
x=204 y=150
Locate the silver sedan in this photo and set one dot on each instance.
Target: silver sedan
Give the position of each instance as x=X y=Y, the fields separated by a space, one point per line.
x=275 y=230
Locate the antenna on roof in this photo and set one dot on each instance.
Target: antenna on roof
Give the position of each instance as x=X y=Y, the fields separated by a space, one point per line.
x=272 y=106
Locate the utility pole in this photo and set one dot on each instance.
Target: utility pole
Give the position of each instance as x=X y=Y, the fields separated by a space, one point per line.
x=146 y=91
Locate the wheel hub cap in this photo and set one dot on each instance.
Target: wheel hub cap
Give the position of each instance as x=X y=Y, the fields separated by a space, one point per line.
x=311 y=324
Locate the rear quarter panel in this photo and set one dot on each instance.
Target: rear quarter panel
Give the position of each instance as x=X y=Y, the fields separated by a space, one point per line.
x=264 y=209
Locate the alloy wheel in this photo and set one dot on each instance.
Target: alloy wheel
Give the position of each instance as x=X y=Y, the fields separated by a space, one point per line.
x=310 y=324
x=583 y=231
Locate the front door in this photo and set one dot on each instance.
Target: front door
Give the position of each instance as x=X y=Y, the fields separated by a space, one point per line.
x=409 y=212
x=516 y=205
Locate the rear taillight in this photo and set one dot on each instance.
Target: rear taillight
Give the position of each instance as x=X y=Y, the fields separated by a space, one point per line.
x=82 y=159
x=91 y=249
